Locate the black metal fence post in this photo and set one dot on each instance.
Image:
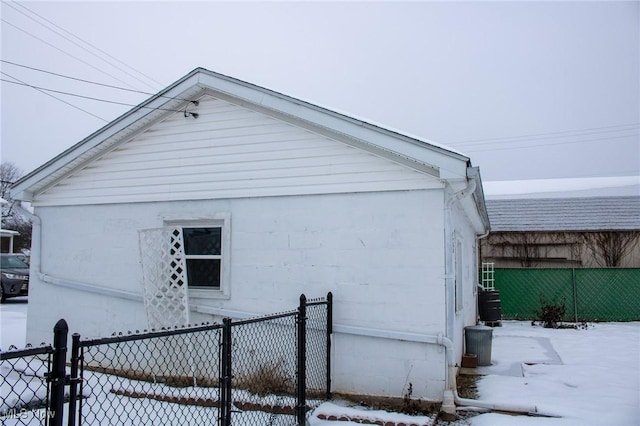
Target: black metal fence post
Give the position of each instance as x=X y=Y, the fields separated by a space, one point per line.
x=227 y=371
x=73 y=381
x=329 y=333
x=58 y=371
x=301 y=391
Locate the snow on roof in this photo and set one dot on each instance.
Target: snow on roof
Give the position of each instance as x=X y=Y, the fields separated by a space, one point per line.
x=564 y=188
x=565 y=214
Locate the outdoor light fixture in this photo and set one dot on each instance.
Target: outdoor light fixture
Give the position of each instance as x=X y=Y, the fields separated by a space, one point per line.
x=189 y=113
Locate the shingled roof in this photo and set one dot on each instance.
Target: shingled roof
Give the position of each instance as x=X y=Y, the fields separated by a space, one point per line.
x=565 y=214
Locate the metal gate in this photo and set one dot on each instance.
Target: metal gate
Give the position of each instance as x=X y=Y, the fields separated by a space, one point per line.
x=269 y=370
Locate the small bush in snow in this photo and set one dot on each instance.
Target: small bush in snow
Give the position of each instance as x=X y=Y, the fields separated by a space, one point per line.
x=550 y=314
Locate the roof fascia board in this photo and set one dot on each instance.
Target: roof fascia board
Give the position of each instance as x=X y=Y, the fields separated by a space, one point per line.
x=122 y=128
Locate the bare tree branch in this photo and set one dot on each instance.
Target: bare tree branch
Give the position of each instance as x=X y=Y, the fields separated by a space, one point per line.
x=610 y=247
x=11 y=219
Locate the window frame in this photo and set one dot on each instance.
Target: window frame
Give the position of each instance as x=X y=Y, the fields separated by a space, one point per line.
x=459 y=272
x=216 y=220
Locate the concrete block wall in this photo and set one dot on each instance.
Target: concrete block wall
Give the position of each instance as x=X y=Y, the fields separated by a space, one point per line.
x=381 y=254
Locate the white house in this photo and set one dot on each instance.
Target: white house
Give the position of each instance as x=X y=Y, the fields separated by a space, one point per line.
x=6 y=235
x=269 y=197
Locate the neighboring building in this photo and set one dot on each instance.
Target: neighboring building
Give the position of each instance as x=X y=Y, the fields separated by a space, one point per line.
x=6 y=235
x=266 y=197
x=564 y=232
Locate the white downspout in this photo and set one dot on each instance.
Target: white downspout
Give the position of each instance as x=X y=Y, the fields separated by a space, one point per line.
x=449 y=274
x=451 y=397
x=448 y=400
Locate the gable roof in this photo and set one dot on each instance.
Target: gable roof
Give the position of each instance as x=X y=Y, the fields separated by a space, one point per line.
x=427 y=157
x=565 y=214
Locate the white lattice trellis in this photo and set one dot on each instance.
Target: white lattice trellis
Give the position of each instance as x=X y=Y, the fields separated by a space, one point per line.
x=164 y=274
x=488 y=277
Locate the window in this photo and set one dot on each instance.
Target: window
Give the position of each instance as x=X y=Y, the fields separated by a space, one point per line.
x=204 y=243
x=203 y=256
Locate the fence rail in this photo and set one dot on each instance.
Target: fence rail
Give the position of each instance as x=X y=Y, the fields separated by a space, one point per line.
x=268 y=370
x=589 y=294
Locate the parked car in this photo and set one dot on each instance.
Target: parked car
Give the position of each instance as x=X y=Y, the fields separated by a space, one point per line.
x=14 y=280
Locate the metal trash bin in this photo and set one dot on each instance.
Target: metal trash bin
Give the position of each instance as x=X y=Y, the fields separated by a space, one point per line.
x=478 y=341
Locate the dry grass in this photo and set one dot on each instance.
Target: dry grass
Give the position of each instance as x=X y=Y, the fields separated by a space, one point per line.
x=269 y=379
x=467 y=387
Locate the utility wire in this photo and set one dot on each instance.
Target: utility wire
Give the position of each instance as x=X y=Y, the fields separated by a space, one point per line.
x=89 y=81
x=66 y=53
x=576 y=134
x=87 y=43
x=49 y=94
x=550 y=144
x=533 y=136
x=39 y=88
x=174 y=110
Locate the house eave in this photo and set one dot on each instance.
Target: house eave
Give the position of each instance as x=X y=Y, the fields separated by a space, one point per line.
x=173 y=98
x=412 y=152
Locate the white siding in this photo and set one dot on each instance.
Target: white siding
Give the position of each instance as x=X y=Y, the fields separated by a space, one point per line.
x=228 y=152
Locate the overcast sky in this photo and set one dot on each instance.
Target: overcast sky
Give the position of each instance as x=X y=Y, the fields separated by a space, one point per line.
x=528 y=90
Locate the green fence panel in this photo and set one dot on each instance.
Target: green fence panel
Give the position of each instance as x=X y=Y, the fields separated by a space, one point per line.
x=606 y=294
x=610 y=294
x=522 y=289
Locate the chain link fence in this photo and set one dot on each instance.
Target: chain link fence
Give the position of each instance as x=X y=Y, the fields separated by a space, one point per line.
x=270 y=370
x=264 y=362
x=160 y=378
x=589 y=294
x=318 y=343
x=24 y=388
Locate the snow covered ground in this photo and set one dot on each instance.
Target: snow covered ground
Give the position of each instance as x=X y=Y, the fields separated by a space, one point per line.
x=582 y=376
x=13 y=323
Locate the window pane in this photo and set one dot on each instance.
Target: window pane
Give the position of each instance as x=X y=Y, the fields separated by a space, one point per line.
x=202 y=241
x=203 y=272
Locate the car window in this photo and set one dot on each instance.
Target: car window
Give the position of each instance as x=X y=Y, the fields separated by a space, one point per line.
x=12 y=262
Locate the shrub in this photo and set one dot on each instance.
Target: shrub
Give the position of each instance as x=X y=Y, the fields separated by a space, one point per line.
x=550 y=314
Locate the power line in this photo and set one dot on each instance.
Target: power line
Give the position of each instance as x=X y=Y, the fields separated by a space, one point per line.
x=39 y=88
x=547 y=135
x=54 y=97
x=89 y=81
x=550 y=144
x=65 y=52
x=85 y=42
x=576 y=134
